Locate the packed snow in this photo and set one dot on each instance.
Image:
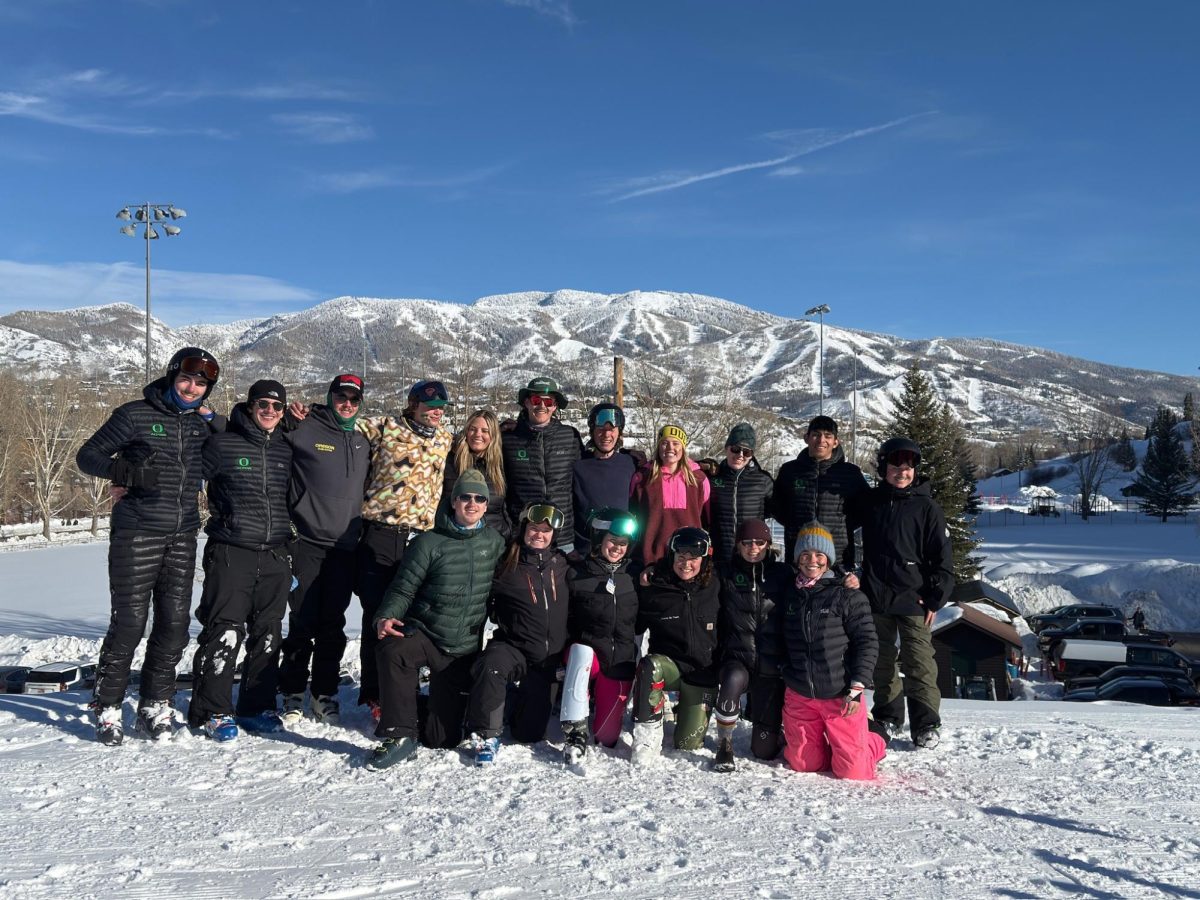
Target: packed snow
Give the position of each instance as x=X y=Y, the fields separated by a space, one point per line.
x=1021 y=799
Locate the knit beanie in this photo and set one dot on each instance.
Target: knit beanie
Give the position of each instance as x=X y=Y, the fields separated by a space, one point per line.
x=267 y=389
x=742 y=435
x=471 y=481
x=815 y=536
x=674 y=433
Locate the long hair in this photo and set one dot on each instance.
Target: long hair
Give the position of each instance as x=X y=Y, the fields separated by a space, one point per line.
x=512 y=556
x=493 y=456
x=665 y=569
x=689 y=476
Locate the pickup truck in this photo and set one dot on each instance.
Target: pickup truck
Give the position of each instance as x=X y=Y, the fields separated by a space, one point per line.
x=1099 y=630
x=1074 y=658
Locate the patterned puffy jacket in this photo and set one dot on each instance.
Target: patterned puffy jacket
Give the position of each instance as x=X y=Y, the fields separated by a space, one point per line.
x=406 y=472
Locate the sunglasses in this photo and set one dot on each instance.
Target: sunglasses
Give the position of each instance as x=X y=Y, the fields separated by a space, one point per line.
x=541 y=400
x=472 y=498
x=741 y=451
x=273 y=405
x=753 y=542
x=351 y=399
x=198 y=365
x=902 y=458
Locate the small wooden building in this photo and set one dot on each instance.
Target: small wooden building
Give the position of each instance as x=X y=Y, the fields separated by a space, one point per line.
x=974 y=646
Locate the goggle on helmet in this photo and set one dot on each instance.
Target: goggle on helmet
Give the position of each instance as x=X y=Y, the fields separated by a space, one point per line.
x=543 y=514
x=609 y=520
x=691 y=540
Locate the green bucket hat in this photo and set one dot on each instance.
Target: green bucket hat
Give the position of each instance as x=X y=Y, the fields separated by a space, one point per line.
x=542 y=385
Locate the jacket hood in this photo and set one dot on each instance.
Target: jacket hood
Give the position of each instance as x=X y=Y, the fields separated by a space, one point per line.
x=808 y=462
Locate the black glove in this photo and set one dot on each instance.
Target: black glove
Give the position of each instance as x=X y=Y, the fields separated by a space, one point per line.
x=126 y=474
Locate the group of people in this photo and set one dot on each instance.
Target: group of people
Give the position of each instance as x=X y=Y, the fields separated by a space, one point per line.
x=574 y=549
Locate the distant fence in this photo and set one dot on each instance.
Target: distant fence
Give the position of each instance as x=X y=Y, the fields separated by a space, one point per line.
x=1070 y=514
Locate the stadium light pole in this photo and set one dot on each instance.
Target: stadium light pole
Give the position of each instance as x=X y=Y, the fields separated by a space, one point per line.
x=819 y=312
x=147 y=214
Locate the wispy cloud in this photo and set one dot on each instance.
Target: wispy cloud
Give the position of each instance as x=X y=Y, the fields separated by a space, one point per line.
x=377 y=179
x=306 y=91
x=804 y=142
x=48 y=111
x=324 y=128
x=559 y=10
x=44 y=286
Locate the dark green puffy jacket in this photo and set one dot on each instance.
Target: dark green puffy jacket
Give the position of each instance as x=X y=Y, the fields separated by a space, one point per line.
x=442 y=586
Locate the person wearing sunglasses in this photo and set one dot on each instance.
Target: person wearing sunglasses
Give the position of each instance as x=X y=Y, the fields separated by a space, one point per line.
x=751 y=584
x=433 y=616
x=529 y=605
x=331 y=462
x=479 y=446
x=151 y=449
x=667 y=494
x=247 y=568
x=820 y=485
x=605 y=470
x=679 y=607
x=908 y=573
x=741 y=490
x=540 y=454
x=603 y=646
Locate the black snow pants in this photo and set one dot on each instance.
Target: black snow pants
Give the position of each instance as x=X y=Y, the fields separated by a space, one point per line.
x=245 y=594
x=400 y=661
x=379 y=554
x=144 y=571
x=765 y=706
x=316 y=618
x=499 y=665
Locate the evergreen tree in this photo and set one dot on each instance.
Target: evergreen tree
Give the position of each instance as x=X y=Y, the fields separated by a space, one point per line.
x=1165 y=483
x=945 y=461
x=1189 y=408
x=1196 y=447
x=1123 y=453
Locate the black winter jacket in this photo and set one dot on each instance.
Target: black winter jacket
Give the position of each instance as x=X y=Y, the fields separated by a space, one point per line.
x=497 y=511
x=602 y=619
x=330 y=468
x=530 y=603
x=538 y=465
x=825 y=491
x=735 y=497
x=822 y=638
x=682 y=619
x=907 y=556
x=749 y=591
x=248 y=472
x=152 y=433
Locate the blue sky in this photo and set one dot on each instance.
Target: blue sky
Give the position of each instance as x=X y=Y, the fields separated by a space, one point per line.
x=1023 y=171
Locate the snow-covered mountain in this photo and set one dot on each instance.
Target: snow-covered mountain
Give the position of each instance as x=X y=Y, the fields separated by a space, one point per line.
x=699 y=346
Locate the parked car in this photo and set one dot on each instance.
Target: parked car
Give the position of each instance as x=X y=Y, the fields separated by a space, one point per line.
x=1148 y=690
x=60 y=676
x=1088 y=629
x=1062 y=616
x=1074 y=658
x=12 y=679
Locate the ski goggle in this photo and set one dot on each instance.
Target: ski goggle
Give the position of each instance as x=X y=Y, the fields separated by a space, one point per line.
x=900 y=458
x=693 y=542
x=543 y=514
x=624 y=526
x=607 y=417
x=199 y=365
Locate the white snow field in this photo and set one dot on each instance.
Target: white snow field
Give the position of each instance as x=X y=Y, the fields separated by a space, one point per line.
x=1020 y=799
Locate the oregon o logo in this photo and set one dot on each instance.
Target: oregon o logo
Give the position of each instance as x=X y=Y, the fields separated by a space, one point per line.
x=243 y=462
x=522 y=454
x=157 y=428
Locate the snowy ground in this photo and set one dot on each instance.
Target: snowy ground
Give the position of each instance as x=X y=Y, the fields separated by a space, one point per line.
x=1027 y=799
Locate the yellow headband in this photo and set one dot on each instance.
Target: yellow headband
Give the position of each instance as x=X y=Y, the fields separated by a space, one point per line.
x=673 y=432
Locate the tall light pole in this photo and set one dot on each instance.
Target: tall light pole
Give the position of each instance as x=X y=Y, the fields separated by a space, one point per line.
x=147 y=214
x=854 y=413
x=819 y=312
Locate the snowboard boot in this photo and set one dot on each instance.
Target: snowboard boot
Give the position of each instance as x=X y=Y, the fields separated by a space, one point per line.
x=222 y=729
x=647 y=742
x=575 y=742
x=156 y=721
x=325 y=710
x=927 y=738
x=110 y=730
x=390 y=752
x=293 y=710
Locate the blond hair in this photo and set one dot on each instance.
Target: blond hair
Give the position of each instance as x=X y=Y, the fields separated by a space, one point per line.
x=493 y=455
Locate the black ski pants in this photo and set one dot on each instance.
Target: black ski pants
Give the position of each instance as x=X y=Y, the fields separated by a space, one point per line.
x=499 y=665
x=144 y=571
x=316 y=618
x=245 y=594
x=400 y=661
x=380 y=552
x=765 y=701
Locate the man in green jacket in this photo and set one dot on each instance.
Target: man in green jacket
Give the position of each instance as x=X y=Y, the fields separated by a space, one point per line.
x=432 y=615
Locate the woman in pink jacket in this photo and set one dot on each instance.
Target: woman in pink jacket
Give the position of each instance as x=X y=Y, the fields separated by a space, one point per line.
x=668 y=493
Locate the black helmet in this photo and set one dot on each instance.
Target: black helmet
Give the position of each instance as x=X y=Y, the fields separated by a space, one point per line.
x=195 y=361
x=616 y=415
x=691 y=540
x=896 y=445
x=610 y=520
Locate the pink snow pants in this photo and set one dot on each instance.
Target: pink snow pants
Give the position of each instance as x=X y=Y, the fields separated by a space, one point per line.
x=610 y=697
x=819 y=739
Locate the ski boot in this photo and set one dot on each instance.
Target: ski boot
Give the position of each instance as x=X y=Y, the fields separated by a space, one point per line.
x=265 y=722
x=110 y=730
x=723 y=761
x=325 y=710
x=222 y=729
x=927 y=738
x=575 y=743
x=486 y=749
x=390 y=752
x=293 y=710
x=156 y=721
x=647 y=742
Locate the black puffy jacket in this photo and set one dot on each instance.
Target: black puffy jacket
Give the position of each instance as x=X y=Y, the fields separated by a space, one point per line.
x=821 y=639
x=497 y=512
x=330 y=468
x=907 y=555
x=529 y=604
x=806 y=489
x=736 y=495
x=538 y=465
x=682 y=619
x=248 y=472
x=749 y=591
x=153 y=433
x=602 y=619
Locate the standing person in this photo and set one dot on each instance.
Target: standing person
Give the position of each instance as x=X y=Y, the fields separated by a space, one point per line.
x=433 y=616
x=478 y=446
x=679 y=607
x=605 y=471
x=602 y=624
x=150 y=449
x=1139 y=618
x=820 y=485
x=668 y=494
x=908 y=574
x=330 y=464
x=822 y=640
x=529 y=605
x=247 y=568
x=751 y=584
x=540 y=454
x=408 y=459
x=741 y=490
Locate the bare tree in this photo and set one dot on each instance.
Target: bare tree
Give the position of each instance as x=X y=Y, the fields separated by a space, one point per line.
x=1090 y=450
x=52 y=434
